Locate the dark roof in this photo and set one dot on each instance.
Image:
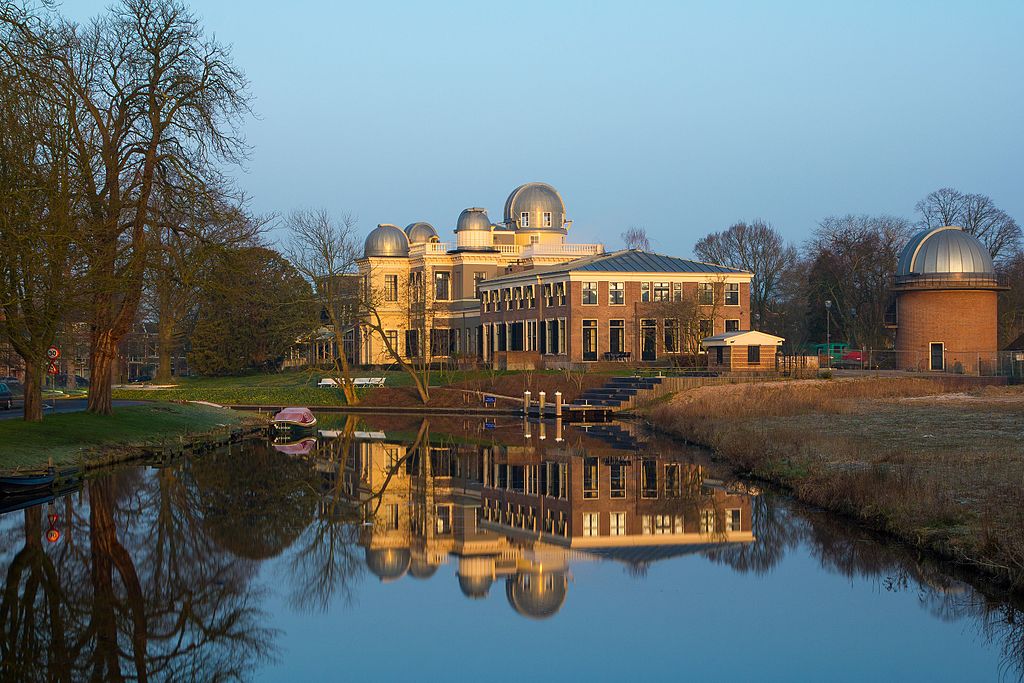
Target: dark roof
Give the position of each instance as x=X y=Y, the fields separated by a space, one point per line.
x=634 y=260
x=1016 y=345
x=628 y=261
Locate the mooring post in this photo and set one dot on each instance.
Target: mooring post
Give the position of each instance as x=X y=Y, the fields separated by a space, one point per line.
x=541 y=427
x=558 y=404
x=540 y=404
x=526 y=427
x=526 y=402
x=558 y=429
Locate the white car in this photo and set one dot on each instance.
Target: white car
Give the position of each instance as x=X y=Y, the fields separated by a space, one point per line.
x=327 y=382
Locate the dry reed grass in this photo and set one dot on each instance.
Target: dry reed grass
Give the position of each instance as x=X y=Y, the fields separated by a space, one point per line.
x=938 y=465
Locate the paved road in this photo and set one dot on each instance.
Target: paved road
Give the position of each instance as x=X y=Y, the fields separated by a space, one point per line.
x=70 y=405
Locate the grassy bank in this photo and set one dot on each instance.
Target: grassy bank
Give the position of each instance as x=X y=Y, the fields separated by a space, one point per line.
x=70 y=438
x=300 y=387
x=937 y=466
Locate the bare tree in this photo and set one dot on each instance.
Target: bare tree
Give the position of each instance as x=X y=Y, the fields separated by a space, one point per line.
x=147 y=91
x=853 y=261
x=695 y=314
x=39 y=212
x=977 y=214
x=324 y=250
x=758 y=248
x=635 y=237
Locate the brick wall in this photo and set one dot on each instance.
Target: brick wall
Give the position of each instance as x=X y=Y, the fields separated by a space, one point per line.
x=964 y=321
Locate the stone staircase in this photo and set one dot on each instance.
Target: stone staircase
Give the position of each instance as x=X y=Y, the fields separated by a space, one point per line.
x=614 y=435
x=620 y=393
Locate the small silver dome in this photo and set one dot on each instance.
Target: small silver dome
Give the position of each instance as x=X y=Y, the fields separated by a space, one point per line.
x=386 y=240
x=473 y=219
x=535 y=594
x=535 y=200
x=420 y=232
x=475 y=587
x=945 y=250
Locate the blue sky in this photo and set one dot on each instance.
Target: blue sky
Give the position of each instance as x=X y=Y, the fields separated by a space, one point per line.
x=679 y=117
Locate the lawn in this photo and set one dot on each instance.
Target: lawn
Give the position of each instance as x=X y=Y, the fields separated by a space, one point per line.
x=66 y=437
x=299 y=387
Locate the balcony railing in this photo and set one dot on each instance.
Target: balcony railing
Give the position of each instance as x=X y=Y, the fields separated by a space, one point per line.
x=951 y=281
x=429 y=248
x=562 y=250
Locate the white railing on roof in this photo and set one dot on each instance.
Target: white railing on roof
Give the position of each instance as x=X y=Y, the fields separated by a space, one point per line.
x=429 y=248
x=511 y=249
x=562 y=250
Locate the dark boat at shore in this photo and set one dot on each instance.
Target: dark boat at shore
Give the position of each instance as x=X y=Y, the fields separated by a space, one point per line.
x=19 y=485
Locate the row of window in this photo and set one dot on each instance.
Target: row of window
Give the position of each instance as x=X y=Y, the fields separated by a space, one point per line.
x=545 y=219
x=661 y=524
x=517 y=298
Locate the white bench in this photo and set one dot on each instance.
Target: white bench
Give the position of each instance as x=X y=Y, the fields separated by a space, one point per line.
x=368 y=381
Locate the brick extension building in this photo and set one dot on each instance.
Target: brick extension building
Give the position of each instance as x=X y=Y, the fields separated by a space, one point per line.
x=946 y=306
x=626 y=305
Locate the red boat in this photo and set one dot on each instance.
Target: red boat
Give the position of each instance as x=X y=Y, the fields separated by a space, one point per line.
x=294 y=419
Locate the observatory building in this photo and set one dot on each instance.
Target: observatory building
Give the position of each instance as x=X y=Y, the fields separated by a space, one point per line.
x=946 y=308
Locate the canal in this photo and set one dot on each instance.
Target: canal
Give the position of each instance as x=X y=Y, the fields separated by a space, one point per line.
x=403 y=548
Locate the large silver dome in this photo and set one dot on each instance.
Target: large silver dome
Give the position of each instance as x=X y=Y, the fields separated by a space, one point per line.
x=535 y=594
x=946 y=250
x=473 y=219
x=535 y=200
x=386 y=240
x=388 y=564
x=420 y=232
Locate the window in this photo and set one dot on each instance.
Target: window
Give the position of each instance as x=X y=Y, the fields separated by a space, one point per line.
x=591 y=523
x=531 y=335
x=392 y=339
x=534 y=239
x=562 y=348
x=589 y=340
x=706 y=328
x=645 y=291
x=442 y=286
x=589 y=293
x=390 y=288
x=661 y=291
x=677 y=291
x=732 y=325
x=391 y=517
x=546 y=219
x=707 y=521
x=649 y=479
x=732 y=519
x=531 y=297
x=672 y=484
x=478 y=277
x=616 y=336
x=524 y=219
x=672 y=336
x=440 y=342
x=706 y=294
x=590 y=477
x=616 y=293
x=560 y=293
x=548 y=299
x=754 y=355
x=412 y=343
x=443 y=517
x=732 y=294
x=618 y=523
x=617 y=478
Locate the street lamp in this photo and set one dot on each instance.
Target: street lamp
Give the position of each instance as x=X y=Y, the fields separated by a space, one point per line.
x=828 y=330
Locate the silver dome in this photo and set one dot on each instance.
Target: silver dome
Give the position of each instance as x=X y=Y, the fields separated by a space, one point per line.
x=535 y=199
x=420 y=232
x=473 y=219
x=535 y=594
x=388 y=564
x=386 y=240
x=945 y=250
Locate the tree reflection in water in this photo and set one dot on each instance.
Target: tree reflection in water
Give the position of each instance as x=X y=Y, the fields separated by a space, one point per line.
x=135 y=589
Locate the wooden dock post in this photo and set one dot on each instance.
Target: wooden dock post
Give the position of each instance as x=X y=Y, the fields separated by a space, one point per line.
x=526 y=402
x=540 y=404
x=558 y=404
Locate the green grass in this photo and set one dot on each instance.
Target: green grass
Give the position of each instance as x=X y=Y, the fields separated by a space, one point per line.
x=65 y=437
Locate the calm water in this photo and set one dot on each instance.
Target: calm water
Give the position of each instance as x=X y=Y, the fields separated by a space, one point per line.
x=404 y=549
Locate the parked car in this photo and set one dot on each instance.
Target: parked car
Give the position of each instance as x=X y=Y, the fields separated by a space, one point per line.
x=62 y=381
x=6 y=396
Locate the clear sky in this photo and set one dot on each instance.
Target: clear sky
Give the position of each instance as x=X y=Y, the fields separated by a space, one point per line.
x=679 y=117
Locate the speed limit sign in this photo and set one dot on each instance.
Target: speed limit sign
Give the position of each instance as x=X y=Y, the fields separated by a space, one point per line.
x=53 y=353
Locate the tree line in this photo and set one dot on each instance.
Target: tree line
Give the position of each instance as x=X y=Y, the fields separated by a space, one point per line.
x=850 y=261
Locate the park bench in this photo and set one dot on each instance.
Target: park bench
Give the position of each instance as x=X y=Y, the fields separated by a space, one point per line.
x=368 y=381
x=617 y=355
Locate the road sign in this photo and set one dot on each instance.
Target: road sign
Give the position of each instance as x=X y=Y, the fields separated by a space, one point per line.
x=53 y=353
x=54 y=368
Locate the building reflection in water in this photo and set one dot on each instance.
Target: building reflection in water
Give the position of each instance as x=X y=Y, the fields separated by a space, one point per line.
x=520 y=503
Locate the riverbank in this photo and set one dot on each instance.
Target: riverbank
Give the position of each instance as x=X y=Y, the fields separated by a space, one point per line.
x=83 y=439
x=934 y=464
